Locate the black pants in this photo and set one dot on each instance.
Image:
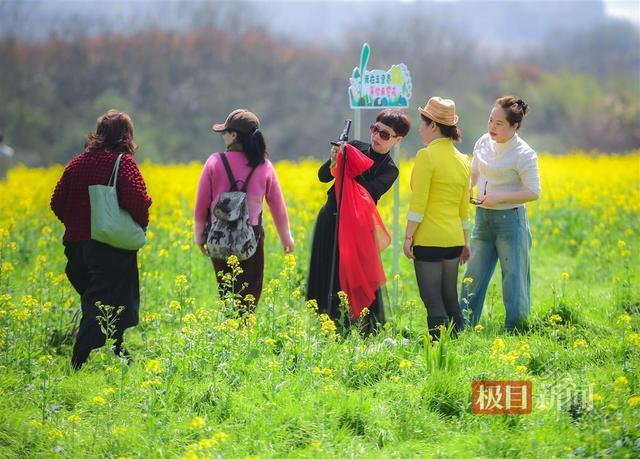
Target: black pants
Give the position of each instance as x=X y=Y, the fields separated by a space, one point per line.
x=102 y=274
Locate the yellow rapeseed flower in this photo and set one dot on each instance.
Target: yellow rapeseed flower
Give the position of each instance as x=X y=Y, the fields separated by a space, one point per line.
x=220 y=437
x=634 y=401
x=595 y=398
x=329 y=388
x=153 y=366
x=98 y=400
x=45 y=358
x=621 y=383
x=405 y=364
x=580 y=343
x=624 y=319
x=232 y=261
x=498 y=345
x=55 y=434
x=181 y=281
x=251 y=319
x=189 y=318
x=150 y=383
x=507 y=358
x=198 y=423
x=555 y=319
x=327 y=326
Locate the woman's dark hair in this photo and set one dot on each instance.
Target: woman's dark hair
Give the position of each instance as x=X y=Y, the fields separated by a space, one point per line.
x=254 y=147
x=114 y=132
x=396 y=120
x=516 y=109
x=451 y=132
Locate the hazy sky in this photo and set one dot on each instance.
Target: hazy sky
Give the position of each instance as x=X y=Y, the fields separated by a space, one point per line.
x=624 y=9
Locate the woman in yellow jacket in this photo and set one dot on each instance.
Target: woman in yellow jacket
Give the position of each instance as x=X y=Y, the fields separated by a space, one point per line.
x=438 y=219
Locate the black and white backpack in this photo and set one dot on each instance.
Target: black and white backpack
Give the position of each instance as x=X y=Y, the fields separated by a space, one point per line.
x=231 y=233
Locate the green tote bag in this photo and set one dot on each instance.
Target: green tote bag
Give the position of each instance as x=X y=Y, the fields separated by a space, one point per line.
x=109 y=222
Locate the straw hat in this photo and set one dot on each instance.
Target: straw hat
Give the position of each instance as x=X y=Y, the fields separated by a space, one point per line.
x=441 y=111
x=240 y=120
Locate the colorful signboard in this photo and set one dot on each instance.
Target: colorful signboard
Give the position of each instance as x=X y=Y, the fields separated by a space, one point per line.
x=379 y=88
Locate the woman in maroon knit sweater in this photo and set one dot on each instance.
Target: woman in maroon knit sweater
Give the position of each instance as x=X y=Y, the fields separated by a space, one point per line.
x=101 y=273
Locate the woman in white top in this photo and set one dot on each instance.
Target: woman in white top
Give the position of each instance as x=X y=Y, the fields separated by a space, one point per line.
x=505 y=170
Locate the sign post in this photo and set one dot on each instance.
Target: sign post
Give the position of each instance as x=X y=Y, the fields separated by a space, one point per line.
x=379 y=89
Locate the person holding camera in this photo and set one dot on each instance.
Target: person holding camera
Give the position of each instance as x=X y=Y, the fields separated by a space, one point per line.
x=389 y=129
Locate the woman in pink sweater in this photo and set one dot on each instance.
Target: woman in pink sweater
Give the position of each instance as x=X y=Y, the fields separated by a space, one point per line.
x=246 y=153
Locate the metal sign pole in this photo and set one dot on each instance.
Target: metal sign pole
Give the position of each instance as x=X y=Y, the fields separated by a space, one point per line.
x=356 y=124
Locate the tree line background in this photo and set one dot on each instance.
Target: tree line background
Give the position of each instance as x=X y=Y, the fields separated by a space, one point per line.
x=583 y=85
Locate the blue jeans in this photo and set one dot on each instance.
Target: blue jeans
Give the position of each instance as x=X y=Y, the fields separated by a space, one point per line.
x=499 y=235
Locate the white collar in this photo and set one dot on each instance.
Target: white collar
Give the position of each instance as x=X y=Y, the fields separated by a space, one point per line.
x=505 y=146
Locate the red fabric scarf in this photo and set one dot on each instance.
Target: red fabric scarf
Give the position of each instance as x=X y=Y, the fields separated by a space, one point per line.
x=361 y=235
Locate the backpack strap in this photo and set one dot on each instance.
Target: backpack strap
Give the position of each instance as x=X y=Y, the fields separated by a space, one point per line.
x=234 y=182
x=227 y=167
x=246 y=181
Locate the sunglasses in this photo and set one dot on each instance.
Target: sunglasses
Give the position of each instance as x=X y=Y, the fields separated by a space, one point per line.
x=476 y=201
x=384 y=135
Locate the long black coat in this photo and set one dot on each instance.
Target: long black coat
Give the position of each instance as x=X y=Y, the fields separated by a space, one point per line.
x=377 y=180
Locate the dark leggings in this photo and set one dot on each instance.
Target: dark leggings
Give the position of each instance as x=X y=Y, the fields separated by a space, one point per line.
x=437 y=282
x=249 y=282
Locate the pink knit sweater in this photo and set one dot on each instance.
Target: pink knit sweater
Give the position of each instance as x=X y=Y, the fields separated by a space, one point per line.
x=263 y=184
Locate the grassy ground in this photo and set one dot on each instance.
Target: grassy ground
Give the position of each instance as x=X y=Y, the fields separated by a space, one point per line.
x=286 y=385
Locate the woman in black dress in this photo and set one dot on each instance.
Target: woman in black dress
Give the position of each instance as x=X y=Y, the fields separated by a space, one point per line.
x=390 y=128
